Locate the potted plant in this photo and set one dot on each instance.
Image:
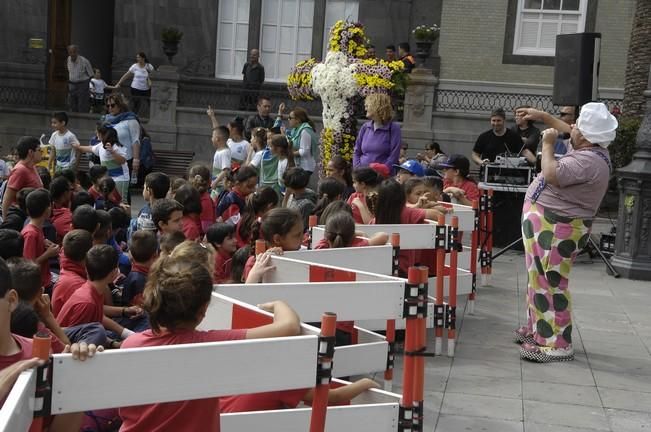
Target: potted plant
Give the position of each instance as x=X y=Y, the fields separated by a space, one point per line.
x=171 y=36
x=425 y=36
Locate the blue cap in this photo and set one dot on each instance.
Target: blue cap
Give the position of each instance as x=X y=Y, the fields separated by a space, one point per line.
x=413 y=166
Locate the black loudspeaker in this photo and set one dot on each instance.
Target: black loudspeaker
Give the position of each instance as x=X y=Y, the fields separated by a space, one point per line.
x=576 y=68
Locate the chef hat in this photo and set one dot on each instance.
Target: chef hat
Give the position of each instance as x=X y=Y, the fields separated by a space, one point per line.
x=596 y=124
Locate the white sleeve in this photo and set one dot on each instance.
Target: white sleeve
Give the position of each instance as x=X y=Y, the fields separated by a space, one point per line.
x=132 y=68
x=134 y=131
x=226 y=160
x=96 y=148
x=257 y=158
x=73 y=138
x=305 y=149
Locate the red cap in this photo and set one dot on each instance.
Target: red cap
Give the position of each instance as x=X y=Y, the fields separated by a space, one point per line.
x=381 y=169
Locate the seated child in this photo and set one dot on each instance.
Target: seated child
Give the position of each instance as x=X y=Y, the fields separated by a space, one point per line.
x=61 y=218
x=232 y=205
x=190 y=199
x=76 y=245
x=97 y=173
x=328 y=191
x=81 y=198
x=143 y=248
x=36 y=247
x=85 y=218
x=17 y=213
x=199 y=176
x=340 y=232
x=169 y=241
x=11 y=244
x=298 y=196
x=257 y=205
x=221 y=237
x=167 y=215
x=156 y=186
x=238 y=262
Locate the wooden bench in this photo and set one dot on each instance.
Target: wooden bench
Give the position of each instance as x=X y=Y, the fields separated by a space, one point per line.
x=174 y=163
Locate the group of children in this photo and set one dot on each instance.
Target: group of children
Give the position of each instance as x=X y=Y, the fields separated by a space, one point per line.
x=85 y=273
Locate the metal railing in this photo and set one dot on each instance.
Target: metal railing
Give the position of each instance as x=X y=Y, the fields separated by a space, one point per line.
x=22 y=97
x=486 y=101
x=200 y=92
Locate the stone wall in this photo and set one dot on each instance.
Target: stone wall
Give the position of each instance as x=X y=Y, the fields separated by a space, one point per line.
x=138 y=25
x=472 y=43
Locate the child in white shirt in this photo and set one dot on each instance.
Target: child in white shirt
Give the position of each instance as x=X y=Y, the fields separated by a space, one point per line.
x=62 y=142
x=97 y=87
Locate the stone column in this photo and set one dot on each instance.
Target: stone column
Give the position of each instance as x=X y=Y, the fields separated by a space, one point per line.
x=633 y=244
x=162 y=112
x=417 y=126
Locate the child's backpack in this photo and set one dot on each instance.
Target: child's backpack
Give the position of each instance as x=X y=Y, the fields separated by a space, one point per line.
x=147 y=156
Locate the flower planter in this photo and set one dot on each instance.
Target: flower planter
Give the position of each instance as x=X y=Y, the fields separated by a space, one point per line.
x=170 y=49
x=423 y=50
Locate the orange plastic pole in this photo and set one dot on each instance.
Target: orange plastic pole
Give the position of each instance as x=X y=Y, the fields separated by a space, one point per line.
x=419 y=367
x=320 y=401
x=391 y=324
x=452 y=295
x=260 y=247
x=489 y=230
x=40 y=348
x=438 y=305
x=473 y=258
x=411 y=346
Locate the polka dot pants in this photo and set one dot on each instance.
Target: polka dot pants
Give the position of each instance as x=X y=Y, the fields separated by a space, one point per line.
x=551 y=243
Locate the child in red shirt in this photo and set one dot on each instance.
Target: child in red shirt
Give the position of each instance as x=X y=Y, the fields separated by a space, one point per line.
x=61 y=218
x=231 y=206
x=199 y=176
x=365 y=180
x=177 y=295
x=221 y=237
x=281 y=228
x=35 y=246
x=340 y=233
x=190 y=199
x=167 y=215
x=456 y=181
x=257 y=205
x=76 y=245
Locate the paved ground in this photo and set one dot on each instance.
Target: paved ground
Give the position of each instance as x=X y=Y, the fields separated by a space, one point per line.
x=486 y=387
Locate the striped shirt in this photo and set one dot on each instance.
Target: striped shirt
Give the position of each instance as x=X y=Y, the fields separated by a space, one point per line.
x=79 y=70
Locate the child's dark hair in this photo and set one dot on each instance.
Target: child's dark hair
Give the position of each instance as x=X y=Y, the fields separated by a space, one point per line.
x=69 y=174
x=434 y=146
x=244 y=174
x=76 y=244
x=143 y=246
x=296 y=178
x=412 y=183
x=261 y=135
x=189 y=198
x=44 y=174
x=109 y=135
x=340 y=230
x=388 y=202
x=281 y=143
x=176 y=184
x=158 y=183
x=85 y=217
x=342 y=165
x=101 y=260
x=218 y=232
x=58 y=188
x=81 y=198
x=37 y=202
x=60 y=116
x=24 y=320
x=367 y=176
x=237 y=125
x=255 y=204
x=432 y=182
x=169 y=241
x=199 y=176
x=21 y=197
x=223 y=132
x=26 y=277
x=278 y=221
x=332 y=208
x=163 y=209
x=329 y=190
x=175 y=293
x=96 y=172
x=5 y=278
x=119 y=218
x=106 y=187
x=238 y=262
x=11 y=243
x=105 y=226
x=25 y=144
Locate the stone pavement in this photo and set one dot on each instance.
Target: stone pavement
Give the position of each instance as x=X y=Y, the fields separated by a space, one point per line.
x=486 y=387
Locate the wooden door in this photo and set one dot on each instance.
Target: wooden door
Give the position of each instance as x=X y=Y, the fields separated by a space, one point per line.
x=59 y=25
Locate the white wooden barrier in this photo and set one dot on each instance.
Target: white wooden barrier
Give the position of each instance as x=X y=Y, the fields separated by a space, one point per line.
x=18 y=409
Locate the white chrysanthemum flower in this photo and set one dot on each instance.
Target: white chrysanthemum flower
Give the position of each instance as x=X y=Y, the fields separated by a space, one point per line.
x=334 y=81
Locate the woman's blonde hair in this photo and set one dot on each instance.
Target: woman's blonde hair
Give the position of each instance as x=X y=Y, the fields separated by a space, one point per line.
x=380 y=105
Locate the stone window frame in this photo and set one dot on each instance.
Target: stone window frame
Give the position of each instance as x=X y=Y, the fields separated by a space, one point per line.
x=509 y=35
